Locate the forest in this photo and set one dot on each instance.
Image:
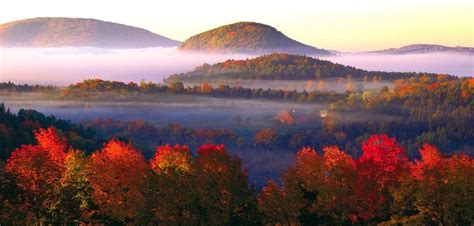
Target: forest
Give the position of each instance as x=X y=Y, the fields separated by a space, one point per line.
x=410 y=162
x=247 y=37
x=282 y=66
x=17 y=129
x=416 y=110
x=51 y=182
x=237 y=113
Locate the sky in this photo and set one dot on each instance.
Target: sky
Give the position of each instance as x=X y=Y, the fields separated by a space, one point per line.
x=344 y=25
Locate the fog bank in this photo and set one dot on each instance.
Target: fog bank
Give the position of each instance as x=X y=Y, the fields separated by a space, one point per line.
x=62 y=66
x=443 y=63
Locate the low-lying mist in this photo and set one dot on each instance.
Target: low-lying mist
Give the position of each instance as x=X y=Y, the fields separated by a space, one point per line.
x=197 y=112
x=330 y=85
x=62 y=66
x=444 y=63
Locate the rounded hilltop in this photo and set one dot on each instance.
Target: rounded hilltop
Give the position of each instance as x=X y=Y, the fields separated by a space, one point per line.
x=78 y=32
x=247 y=37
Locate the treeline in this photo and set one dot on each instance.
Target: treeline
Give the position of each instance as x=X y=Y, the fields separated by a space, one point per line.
x=12 y=87
x=407 y=89
x=416 y=110
x=16 y=129
x=145 y=135
x=93 y=87
x=440 y=113
x=53 y=183
x=281 y=66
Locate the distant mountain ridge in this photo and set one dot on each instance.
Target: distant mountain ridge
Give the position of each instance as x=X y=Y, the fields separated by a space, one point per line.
x=247 y=37
x=61 y=32
x=425 y=48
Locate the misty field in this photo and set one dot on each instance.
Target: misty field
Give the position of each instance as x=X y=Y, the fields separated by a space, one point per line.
x=242 y=116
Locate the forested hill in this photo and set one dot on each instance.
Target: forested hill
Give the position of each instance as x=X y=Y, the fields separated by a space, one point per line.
x=248 y=37
x=60 y=32
x=280 y=66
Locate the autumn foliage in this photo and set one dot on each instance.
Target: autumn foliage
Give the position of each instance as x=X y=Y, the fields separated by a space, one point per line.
x=380 y=167
x=171 y=158
x=51 y=183
x=37 y=170
x=380 y=186
x=438 y=190
x=118 y=176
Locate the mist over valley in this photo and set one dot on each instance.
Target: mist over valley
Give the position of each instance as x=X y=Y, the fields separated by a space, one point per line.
x=105 y=123
x=63 y=66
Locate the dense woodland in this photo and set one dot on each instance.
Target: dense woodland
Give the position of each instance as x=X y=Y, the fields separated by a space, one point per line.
x=417 y=110
x=17 y=129
x=281 y=66
x=335 y=145
x=115 y=172
x=50 y=182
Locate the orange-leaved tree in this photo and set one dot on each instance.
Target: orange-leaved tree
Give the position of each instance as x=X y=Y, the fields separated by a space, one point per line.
x=336 y=199
x=224 y=194
x=316 y=189
x=439 y=190
x=293 y=203
x=171 y=159
x=118 y=178
x=172 y=185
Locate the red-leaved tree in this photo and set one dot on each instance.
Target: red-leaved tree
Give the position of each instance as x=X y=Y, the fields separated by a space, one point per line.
x=37 y=170
x=382 y=164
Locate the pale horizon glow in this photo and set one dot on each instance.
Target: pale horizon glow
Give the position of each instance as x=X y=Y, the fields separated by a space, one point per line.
x=342 y=25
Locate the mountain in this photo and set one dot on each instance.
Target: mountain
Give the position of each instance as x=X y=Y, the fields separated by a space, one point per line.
x=247 y=37
x=281 y=66
x=60 y=32
x=425 y=48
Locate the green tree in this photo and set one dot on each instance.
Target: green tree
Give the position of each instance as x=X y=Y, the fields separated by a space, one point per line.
x=74 y=204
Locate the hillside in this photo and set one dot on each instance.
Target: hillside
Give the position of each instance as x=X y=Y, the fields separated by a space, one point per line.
x=425 y=48
x=280 y=67
x=60 y=32
x=247 y=37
